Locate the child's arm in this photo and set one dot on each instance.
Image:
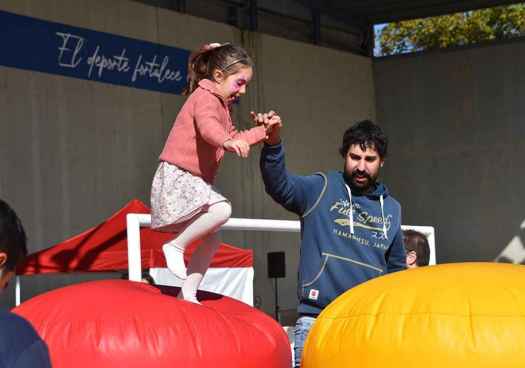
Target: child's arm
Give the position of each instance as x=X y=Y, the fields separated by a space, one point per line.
x=251 y=136
x=208 y=121
x=265 y=121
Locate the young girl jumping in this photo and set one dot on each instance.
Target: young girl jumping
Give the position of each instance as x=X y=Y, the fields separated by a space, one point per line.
x=182 y=197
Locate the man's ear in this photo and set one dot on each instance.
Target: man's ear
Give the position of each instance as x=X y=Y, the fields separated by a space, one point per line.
x=3 y=258
x=382 y=162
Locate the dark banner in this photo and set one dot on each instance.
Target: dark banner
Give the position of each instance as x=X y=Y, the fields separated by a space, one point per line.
x=48 y=47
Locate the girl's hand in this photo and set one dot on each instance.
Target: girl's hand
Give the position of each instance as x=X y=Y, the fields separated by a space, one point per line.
x=258 y=118
x=239 y=146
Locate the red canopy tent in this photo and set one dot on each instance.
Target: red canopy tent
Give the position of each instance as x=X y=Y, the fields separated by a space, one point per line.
x=103 y=248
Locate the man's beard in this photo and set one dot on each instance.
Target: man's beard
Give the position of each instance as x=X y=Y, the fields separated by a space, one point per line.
x=360 y=187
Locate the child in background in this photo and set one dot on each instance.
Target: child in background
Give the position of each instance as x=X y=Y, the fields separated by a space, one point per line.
x=417 y=248
x=182 y=197
x=20 y=345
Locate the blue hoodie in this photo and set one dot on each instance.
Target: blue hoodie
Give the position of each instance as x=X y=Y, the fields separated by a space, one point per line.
x=20 y=345
x=346 y=238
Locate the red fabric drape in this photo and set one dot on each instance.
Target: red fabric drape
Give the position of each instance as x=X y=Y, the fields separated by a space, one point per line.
x=103 y=248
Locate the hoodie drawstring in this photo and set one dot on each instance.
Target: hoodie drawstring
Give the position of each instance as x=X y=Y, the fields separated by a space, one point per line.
x=383 y=216
x=351 y=214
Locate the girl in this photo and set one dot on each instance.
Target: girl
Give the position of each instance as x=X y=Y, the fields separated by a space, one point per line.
x=182 y=197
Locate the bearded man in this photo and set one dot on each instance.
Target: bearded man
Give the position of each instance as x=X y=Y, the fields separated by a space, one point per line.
x=350 y=225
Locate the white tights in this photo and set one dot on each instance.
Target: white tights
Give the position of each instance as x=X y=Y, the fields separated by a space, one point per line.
x=204 y=226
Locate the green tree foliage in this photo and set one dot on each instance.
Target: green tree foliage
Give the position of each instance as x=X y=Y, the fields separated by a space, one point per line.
x=458 y=29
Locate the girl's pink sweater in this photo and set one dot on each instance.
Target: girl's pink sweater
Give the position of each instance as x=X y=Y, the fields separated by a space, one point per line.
x=199 y=131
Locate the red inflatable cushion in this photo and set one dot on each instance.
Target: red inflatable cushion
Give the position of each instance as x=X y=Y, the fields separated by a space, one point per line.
x=120 y=323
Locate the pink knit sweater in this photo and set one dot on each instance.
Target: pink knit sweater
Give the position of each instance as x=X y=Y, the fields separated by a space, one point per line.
x=201 y=127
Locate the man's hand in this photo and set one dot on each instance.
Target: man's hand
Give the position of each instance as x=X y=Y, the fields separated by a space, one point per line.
x=273 y=130
x=239 y=146
x=273 y=124
x=274 y=137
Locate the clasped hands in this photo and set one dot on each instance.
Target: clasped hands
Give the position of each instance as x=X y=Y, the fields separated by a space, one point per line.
x=271 y=120
x=272 y=124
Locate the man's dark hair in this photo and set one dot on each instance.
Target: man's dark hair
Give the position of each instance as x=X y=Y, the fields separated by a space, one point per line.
x=12 y=237
x=367 y=135
x=417 y=242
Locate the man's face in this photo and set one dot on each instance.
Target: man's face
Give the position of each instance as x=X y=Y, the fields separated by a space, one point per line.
x=362 y=167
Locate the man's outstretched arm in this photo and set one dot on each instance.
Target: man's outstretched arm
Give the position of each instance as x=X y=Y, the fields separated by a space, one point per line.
x=295 y=193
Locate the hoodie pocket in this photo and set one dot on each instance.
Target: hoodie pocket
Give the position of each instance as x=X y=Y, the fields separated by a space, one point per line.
x=336 y=275
x=353 y=261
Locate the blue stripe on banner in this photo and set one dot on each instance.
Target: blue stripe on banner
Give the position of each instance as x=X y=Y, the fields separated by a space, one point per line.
x=34 y=44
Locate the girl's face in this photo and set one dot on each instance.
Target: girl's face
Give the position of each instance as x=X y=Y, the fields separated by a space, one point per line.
x=234 y=85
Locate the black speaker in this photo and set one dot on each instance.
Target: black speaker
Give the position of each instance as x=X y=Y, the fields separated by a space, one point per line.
x=276 y=265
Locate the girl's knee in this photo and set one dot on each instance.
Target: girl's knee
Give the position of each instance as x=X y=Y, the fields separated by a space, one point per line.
x=223 y=211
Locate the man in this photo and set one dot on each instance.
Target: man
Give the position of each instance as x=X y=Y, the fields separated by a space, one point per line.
x=20 y=346
x=350 y=225
x=417 y=249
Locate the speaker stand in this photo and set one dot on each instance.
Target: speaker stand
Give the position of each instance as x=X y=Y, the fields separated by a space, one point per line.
x=276 y=300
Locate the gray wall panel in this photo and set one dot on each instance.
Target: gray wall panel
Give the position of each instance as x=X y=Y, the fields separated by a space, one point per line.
x=455 y=121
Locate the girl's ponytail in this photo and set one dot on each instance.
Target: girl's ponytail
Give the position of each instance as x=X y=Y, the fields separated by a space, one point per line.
x=198 y=67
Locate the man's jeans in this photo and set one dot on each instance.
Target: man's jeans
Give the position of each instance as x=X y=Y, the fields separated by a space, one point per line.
x=302 y=327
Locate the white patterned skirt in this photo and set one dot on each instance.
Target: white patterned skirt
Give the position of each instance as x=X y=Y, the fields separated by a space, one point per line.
x=177 y=196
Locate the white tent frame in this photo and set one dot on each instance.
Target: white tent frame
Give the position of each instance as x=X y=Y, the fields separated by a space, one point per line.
x=135 y=221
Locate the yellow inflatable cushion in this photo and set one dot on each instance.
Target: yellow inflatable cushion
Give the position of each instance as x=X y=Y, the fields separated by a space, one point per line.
x=447 y=316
